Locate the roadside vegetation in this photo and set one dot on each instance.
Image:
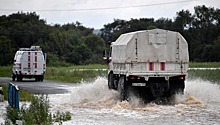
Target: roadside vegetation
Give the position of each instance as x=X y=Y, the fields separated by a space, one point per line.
x=23 y=95
x=75 y=74
x=37 y=113
x=78 y=73
x=204 y=64
x=71 y=74
x=211 y=75
x=5 y=71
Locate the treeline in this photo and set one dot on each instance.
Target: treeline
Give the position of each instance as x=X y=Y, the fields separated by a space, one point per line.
x=201 y=29
x=73 y=43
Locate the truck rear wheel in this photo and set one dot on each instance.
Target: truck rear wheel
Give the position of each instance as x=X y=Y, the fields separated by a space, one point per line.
x=110 y=81
x=121 y=88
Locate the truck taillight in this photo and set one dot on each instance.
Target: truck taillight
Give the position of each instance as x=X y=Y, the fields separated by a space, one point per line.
x=181 y=77
x=44 y=66
x=133 y=77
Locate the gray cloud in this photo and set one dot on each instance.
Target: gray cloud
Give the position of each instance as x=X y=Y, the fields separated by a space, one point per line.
x=97 y=18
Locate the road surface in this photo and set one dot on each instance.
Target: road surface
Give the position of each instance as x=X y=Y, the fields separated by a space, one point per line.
x=45 y=87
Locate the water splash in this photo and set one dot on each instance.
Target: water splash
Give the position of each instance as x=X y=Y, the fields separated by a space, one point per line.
x=97 y=94
x=94 y=93
x=95 y=102
x=203 y=90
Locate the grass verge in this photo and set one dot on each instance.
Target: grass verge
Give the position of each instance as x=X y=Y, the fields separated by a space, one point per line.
x=211 y=75
x=74 y=74
x=5 y=71
x=204 y=64
x=23 y=95
x=71 y=74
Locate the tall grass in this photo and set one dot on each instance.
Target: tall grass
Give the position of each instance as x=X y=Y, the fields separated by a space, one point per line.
x=204 y=64
x=211 y=75
x=5 y=71
x=66 y=74
x=23 y=95
x=91 y=66
x=73 y=75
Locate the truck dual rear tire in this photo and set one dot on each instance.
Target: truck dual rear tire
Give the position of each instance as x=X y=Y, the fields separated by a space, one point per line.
x=110 y=81
x=121 y=88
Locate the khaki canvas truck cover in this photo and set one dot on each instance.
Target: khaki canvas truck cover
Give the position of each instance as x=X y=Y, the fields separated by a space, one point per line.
x=150 y=46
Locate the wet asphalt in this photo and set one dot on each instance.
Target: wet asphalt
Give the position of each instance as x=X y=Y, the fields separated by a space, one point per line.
x=35 y=87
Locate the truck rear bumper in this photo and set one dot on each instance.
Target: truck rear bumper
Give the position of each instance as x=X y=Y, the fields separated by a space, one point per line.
x=167 y=76
x=154 y=74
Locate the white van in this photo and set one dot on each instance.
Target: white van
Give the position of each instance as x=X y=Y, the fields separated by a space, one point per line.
x=29 y=63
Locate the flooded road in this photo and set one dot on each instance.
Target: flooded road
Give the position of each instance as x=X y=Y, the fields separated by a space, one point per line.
x=92 y=103
x=45 y=87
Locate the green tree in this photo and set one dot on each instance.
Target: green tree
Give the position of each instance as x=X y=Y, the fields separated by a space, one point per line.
x=6 y=54
x=216 y=49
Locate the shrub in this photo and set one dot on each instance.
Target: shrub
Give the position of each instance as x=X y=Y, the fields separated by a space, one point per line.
x=61 y=116
x=36 y=113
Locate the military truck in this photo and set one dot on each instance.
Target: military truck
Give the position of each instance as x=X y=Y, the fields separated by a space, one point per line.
x=151 y=63
x=29 y=63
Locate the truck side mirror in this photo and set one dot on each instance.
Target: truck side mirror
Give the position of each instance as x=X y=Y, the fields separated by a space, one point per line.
x=104 y=55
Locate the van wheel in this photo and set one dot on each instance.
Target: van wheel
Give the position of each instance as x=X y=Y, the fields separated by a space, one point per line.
x=13 y=77
x=42 y=78
x=19 y=78
x=36 y=78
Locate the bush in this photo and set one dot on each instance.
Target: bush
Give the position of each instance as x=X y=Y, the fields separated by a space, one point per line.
x=61 y=116
x=12 y=115
x=37 y=113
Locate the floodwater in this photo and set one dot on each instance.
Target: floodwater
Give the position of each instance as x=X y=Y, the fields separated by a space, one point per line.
x=93 y=104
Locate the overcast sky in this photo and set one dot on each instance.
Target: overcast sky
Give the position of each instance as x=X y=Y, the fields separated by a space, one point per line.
x=91 y=14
